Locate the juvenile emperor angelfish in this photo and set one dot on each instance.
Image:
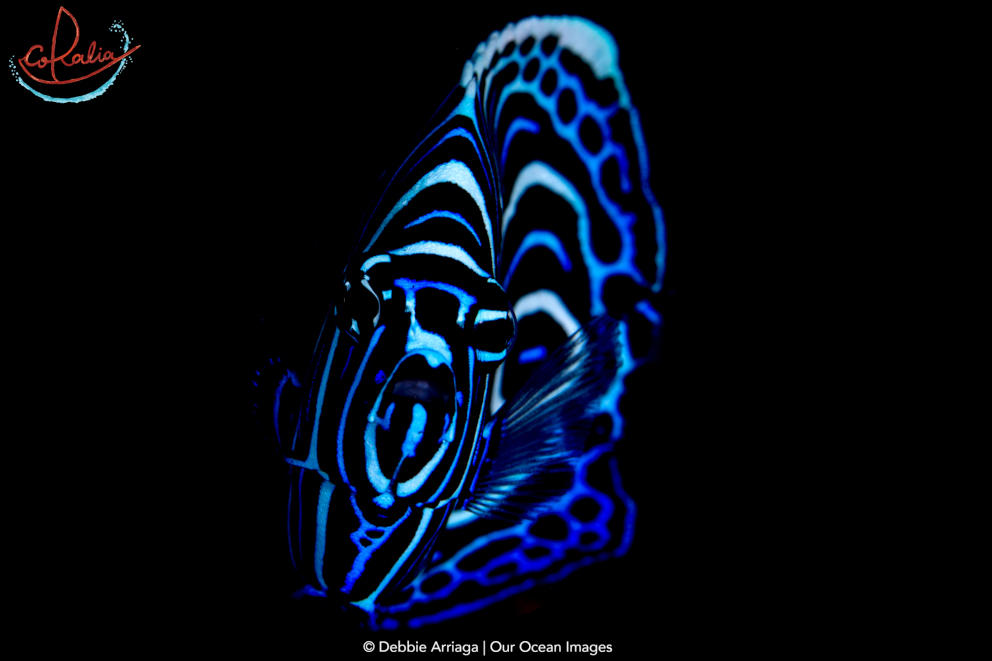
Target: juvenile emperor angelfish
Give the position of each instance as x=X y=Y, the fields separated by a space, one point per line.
x=495 y=299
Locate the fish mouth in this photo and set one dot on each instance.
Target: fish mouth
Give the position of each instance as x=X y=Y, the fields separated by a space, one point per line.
x=417 y=381
x=421 y=390
x=416 y=414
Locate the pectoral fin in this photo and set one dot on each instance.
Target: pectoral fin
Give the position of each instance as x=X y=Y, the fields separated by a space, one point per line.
x=536 y=437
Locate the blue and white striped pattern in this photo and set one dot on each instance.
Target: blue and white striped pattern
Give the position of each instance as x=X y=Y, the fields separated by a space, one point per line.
x=521 y=214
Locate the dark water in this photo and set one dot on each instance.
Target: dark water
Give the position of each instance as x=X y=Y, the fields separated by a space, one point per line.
x=180 y=229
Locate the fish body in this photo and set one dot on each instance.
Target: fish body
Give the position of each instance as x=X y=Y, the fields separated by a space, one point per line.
x=450 y=444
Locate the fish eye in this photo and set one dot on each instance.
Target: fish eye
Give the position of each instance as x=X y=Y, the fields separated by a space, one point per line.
x=494 y=328
x=357 y=307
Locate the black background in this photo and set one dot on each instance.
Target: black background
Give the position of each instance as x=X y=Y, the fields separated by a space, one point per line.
x=172 y=234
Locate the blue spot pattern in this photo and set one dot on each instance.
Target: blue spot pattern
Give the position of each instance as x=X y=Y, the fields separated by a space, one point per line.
x=592 y=538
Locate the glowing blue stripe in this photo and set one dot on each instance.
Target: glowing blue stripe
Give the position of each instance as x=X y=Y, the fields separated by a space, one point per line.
x=542 y=300
x=415 y=432
x=466 y=108
x=323 y=504
x=610 y=402
x=548 y=302
x=311 y=461
x=372 y=261
x=458 y=132
x=490 y=315
x=659 y=217
x=275 y=407
x=459 y=110
x=534 y=239
x=537 y=173
x=490 y=356
x=310 y=394
x=497 y=399
x=366 y=551
x=532 y=355
x=351 y=395
x=649 y=312
x=372 y=469
x=517 y=125
x=487 y=433
x=465 y=300
x=453 y=172
x=431 y=345
x=467 y=424
x=460 y=518
x=457 y=217
x=441 y=250
x=384 y=500
x=475 y=444
x=368 y=603
x=413 y=485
